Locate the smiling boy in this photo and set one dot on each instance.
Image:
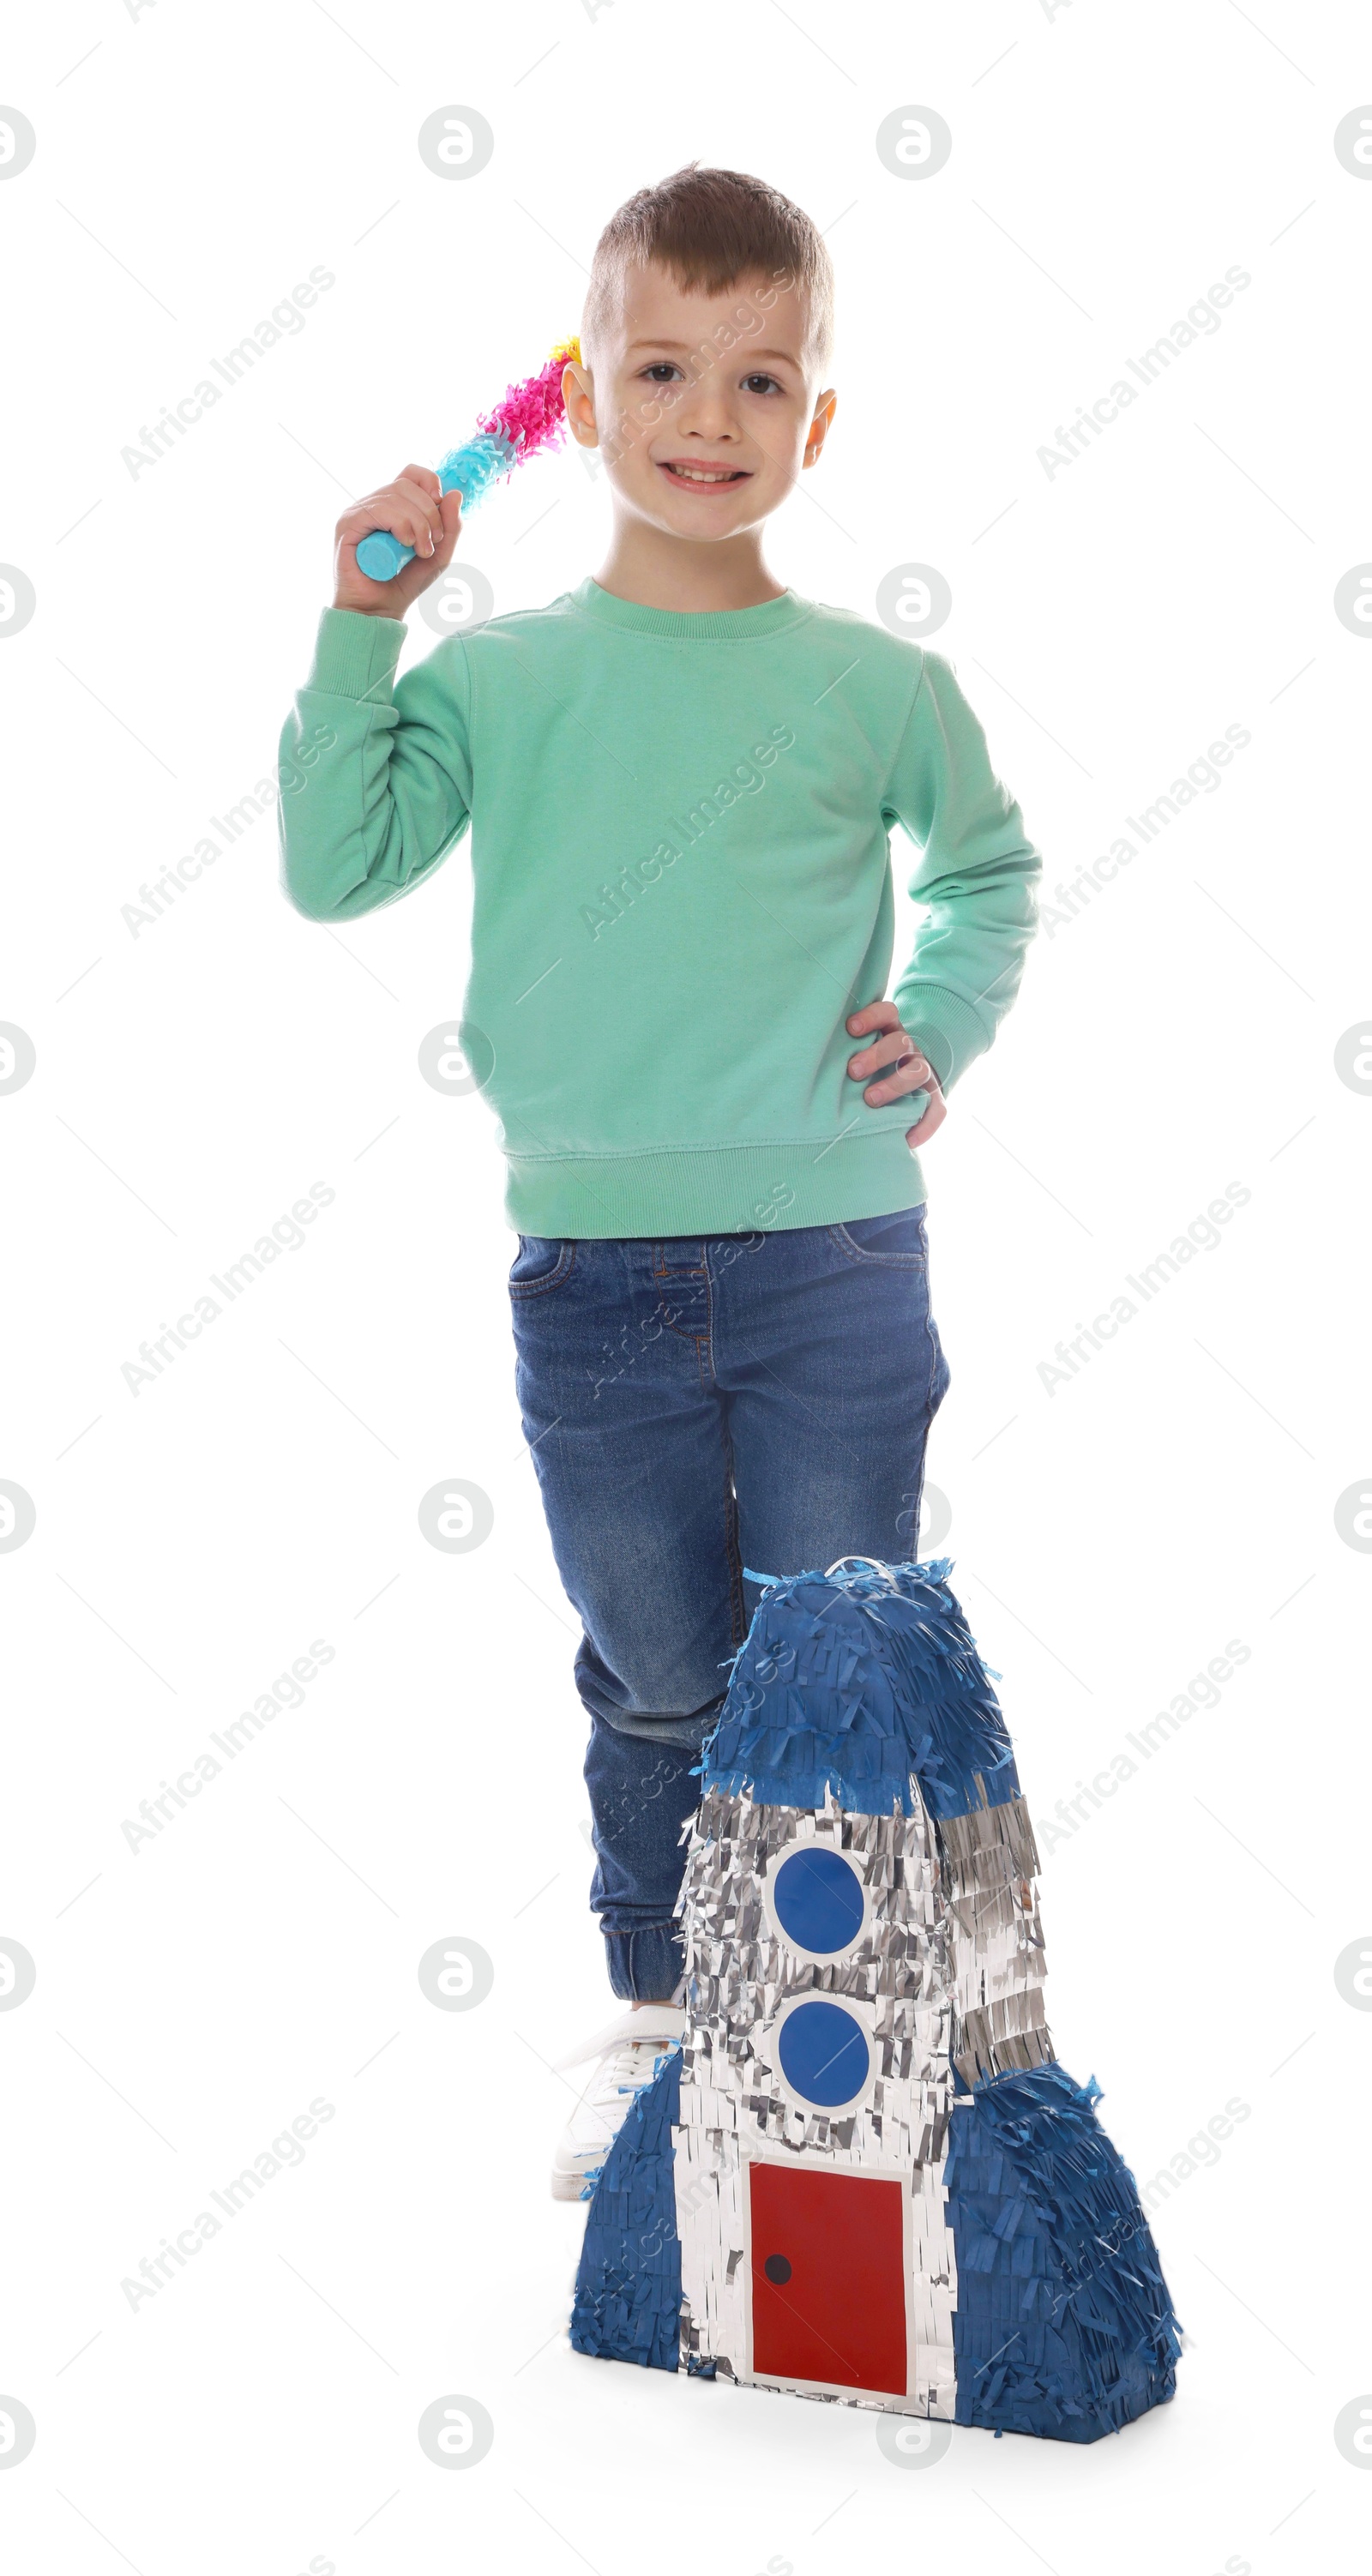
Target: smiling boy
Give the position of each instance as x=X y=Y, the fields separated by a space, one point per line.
x=681 y=780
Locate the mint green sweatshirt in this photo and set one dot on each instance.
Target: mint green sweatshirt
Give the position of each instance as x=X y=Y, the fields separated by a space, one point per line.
x=682 y=886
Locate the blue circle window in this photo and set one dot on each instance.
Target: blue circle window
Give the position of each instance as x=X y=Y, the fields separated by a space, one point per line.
x=817 y=1895
x=824 y=2054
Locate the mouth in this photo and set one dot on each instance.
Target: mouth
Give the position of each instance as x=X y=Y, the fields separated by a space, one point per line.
x=696 y=477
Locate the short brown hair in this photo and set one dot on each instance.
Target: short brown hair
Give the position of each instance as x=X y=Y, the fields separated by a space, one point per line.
x=709 y=229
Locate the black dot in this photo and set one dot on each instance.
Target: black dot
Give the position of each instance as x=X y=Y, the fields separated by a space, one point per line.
x=777 y=2269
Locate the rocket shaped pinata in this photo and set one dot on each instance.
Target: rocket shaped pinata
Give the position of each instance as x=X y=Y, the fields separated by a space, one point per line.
x=864 y=2177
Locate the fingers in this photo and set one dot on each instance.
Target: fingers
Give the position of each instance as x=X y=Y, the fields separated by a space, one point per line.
x=929 y=1124
x=416 y=510
x=423 y=528
x=875 y=1015
x=914 y=1074
x=883 y=1050
x=409 y=508
x=450 y=510
x=910 y=1071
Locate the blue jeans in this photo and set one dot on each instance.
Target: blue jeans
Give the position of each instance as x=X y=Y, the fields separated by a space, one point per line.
x=693 y=1407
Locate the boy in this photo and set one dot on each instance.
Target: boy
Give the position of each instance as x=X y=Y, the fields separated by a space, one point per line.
x=681 y=779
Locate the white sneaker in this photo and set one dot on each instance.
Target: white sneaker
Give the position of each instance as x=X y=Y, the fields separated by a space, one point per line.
x=628 y=2052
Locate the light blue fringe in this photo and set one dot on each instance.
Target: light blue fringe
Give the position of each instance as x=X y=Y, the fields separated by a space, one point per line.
x=473 y=468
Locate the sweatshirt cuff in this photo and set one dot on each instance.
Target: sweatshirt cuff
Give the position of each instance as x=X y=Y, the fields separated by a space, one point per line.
x=949 y=1032
x=355 y=657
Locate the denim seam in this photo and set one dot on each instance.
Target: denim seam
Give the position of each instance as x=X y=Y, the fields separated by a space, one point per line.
x=662 y=1271
x=928 y=1410
x=562 y=1270
x=840 y=1236
x=677 y=1320
x=733 y=1553
x=705 y=1342
x=621 y=1947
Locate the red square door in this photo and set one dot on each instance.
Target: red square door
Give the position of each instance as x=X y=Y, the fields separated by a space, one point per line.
x=828 y=2276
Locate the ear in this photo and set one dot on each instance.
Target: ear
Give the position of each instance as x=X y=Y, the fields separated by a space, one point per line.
x=578 y=396
x=825 y=408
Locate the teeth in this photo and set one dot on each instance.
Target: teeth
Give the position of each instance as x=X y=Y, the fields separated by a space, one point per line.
x=701 y=474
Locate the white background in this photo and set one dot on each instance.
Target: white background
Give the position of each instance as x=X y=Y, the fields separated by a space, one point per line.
x=1109 y=162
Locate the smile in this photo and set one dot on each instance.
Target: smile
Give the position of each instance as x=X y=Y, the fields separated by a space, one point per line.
x=707 y=477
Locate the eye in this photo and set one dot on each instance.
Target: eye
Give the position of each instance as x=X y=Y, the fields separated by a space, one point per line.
x=760 y=383
x=660 y=371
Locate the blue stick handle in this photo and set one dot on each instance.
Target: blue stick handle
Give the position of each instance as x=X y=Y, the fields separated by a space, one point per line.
x=468 y=470
x=381 y=556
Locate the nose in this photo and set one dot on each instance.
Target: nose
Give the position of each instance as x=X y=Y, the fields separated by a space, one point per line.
x=703 y=409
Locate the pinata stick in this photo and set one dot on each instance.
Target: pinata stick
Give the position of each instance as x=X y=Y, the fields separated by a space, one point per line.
x=530 y=417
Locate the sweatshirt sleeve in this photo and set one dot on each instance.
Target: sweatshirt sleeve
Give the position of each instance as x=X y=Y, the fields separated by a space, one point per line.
x=375 y=781
x=977 y=875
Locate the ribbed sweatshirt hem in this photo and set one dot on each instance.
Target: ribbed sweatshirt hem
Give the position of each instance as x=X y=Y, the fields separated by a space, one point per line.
x=711 y=1189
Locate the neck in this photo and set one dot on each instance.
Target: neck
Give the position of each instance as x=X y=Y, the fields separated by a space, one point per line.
x=656 y=570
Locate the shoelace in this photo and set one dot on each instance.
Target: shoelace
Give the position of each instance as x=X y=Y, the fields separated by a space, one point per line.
x=625 y=2069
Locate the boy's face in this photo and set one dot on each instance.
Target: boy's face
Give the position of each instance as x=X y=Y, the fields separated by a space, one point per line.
x=704 y=406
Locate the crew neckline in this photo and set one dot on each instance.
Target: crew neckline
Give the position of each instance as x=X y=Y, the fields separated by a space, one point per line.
x=722 y=625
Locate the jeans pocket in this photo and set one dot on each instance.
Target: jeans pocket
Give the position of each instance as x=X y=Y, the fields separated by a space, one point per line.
x=896 y=1242
x=543 y=1261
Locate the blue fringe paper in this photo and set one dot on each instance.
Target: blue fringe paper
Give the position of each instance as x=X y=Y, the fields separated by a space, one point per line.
x=473 y=468
x=849 y=1682
x=1064 y=2325
x=628 y=2283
